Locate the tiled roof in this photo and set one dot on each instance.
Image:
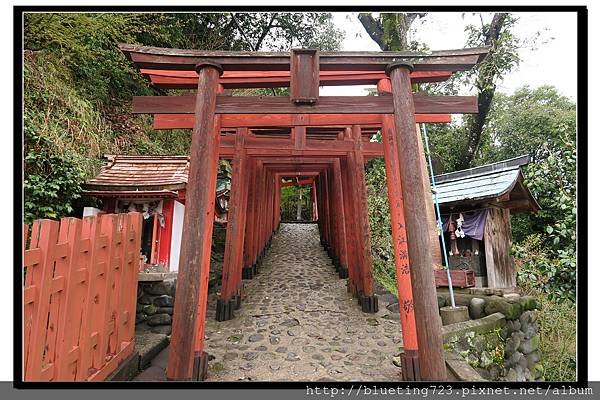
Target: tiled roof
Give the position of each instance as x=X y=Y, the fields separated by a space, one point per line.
x=122 y=173
x=484 y=183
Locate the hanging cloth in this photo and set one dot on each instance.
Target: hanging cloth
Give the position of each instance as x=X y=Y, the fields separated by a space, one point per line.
x=470 y=223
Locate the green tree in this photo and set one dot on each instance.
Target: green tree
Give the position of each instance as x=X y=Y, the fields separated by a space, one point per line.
x=390 y=30
x=78 y=87
x=541 y=123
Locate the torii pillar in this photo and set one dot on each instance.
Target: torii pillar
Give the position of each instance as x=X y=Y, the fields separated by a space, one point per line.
x=384 y=87
x=429 y=330
x=187 y=360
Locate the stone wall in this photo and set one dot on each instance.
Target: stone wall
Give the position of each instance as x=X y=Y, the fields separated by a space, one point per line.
x=501 y=340
x=155 y=306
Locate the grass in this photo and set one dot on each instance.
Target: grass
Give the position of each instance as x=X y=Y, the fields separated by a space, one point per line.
x=558 y=346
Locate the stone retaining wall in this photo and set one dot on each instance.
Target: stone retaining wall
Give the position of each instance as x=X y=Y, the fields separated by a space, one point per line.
x=155 y=306
x=501 y=340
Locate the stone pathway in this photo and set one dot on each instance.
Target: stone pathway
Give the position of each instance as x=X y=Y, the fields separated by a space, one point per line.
x=298 y=323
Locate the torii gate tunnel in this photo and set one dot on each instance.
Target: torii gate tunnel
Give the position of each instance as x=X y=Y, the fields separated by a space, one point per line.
x=304 y=135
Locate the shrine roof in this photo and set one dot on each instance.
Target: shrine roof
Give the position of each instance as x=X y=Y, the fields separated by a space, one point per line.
x=141 y=173
x=144 y=176
x=501 y=182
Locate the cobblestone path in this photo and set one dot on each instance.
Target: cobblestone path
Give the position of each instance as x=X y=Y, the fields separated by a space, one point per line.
x=298 y=323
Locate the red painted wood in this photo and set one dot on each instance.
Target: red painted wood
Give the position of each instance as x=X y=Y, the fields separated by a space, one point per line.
x=429 y=332
x=401 y=254
x=341 y=219
x=460 y=278
x=73 y=330
x=187 y=338
x=166 y=233
x=326 y=105
x=354 y=283
x=362 y=208
x=175 y=59
x=234 y=240
x=256 y=79
x=250 y=218
x=304 y=76
x=186 y=121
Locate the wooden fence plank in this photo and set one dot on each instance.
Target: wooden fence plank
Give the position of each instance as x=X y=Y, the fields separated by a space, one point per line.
x=91 y=226
x=102 y=298
x=79 y=296
x=41 y=275
x=72 y=298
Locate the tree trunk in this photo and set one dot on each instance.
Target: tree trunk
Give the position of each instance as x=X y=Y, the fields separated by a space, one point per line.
x=487 y=87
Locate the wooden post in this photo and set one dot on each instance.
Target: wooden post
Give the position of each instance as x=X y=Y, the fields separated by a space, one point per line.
x=436 y=253
x=409 y=359
x=314 y=201
x=249 y=259
x=429 y=329
x=234 y=240
x=384 y=87
x=187 y=360
x=337 y=175
x=368 y=299
x=354 y=283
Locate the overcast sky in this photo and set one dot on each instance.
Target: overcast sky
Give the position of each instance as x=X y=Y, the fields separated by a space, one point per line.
x=445 y=30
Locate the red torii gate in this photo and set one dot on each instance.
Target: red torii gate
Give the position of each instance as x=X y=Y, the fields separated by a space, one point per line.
x=336 y=160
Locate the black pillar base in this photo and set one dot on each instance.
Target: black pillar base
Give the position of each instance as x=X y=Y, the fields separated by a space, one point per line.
x=248 y=272
x=352 y=289
x=336 y=262
x=237 y=301
x=200 y=366
x=409 y=360
x=225 y=309
x=369 y=304
x=255 y=269
x=343 y=272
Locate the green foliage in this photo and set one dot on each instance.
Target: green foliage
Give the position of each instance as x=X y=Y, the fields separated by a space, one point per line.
x=558 y=339
x=480 y=350
x=289 y=202
x=503 y=56
x=541 y=123
x=51 y=185
x=382 y=249
x=283 y=31
x=78 y=86
x=530 y=121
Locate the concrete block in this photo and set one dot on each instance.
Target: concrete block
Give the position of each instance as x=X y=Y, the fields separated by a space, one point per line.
x=482 y=325
x=127 y=370
x=148 y=345
x=452 y=315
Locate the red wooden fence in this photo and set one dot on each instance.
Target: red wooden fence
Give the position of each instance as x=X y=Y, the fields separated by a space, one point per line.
x=79 y=296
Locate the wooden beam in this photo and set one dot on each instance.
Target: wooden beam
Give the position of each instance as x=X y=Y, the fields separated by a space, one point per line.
x=282 y=105
x=166 y=79
x=429 y=330
x=186 y=121
x=178 y=59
